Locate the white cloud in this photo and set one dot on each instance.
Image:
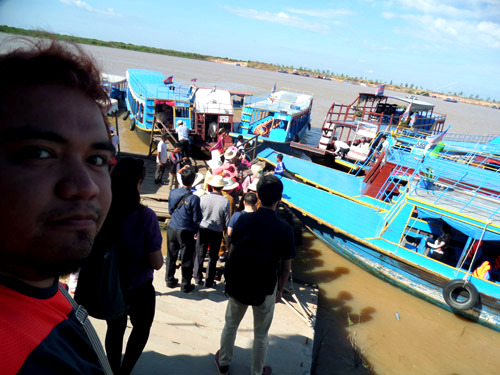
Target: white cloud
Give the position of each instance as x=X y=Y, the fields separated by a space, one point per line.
x=439 y=7
x=322 y=13
x=490 y=33
x=389 y=15
x=281 y=18
x=89 y=8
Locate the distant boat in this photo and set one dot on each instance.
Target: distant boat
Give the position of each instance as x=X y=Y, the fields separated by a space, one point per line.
x=384 y=221
x=451 y=100
x=363 y=119
x=277 y=118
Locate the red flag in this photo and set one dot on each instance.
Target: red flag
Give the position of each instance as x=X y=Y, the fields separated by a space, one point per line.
x=379 y=90
x=168 y=80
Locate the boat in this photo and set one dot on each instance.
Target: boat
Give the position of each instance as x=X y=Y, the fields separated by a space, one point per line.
x=368 y=115
x=150 y=93
x=156 y=103
x=277 y=118
x=213 y=110
x=383 y=221
x=450 y=100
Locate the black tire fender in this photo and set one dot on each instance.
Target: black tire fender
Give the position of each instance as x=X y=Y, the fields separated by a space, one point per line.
x=125 y=116
x=132 y=124
x=460 y=294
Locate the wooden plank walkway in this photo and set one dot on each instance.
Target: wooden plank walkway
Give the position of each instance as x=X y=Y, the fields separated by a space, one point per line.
x=156 y=196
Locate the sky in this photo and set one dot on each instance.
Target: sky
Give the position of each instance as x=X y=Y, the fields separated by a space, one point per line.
x=443 y=45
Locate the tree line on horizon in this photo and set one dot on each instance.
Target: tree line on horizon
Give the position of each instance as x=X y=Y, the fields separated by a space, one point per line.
x=405 y=87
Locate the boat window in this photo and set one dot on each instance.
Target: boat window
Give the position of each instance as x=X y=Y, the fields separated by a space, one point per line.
x=182 y=112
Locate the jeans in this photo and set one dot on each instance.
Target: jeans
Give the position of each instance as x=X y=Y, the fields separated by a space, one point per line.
x=262 y=319
x=159 y=172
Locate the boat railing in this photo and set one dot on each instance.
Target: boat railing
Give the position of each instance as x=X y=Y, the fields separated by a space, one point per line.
x=425 y=122
x=471 y=188
x=170 y=92
x=270 y=103
x=469 y=137
x=468 y=187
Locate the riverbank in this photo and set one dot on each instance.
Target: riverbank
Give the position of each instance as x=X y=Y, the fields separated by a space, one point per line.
x=406 y=89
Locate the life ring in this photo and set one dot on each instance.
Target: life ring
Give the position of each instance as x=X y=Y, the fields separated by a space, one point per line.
x=132 y=124
x=460 y=295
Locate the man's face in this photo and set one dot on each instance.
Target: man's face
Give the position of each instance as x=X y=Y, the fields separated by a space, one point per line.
x=55 y=189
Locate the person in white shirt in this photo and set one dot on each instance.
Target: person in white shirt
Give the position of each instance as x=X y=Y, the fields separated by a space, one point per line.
x=183 y=135
x=161 y=159
x=341 y=148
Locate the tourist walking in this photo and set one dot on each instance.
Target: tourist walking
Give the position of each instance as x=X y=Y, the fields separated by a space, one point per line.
x=184 y=208
x=135 y=231
x=216 y=213
x=55 y=192
x=261 y=249
x=161 y=159
x=176 y=161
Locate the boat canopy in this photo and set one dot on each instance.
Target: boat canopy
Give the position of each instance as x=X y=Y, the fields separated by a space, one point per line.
x=416 y=105
x=113 y=79
x=213 y=101
x=149 y=84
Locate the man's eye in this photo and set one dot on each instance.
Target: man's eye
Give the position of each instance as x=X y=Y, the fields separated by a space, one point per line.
x=98 y=160
x=36 y=153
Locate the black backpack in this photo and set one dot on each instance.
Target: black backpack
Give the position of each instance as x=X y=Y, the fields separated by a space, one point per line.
x=251 y=271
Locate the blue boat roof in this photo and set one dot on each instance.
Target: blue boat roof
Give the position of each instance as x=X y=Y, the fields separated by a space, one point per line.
x=321 y=176
x=283 y=101
x=333 y=210
x=149 y=85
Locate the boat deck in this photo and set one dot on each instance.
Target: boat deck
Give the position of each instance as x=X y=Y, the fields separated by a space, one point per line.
x=331 y=209
x=315 y=174
x=484 y=209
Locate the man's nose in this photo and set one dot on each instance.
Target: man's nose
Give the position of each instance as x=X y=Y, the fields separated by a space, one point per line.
x=77 y=181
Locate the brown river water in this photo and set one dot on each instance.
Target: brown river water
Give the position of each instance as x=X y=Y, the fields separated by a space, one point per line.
x=395 y=332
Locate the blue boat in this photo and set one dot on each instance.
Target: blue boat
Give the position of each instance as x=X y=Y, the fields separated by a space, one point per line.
x=148 y=95
x=384 y=222
x=279 y=118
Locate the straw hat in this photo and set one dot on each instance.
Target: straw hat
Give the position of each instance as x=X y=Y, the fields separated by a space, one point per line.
x=229 y=184
x=231 y=153
x=257 y=170
x=216 y=181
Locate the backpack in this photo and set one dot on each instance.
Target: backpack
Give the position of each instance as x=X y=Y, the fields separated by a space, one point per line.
x=250 y=271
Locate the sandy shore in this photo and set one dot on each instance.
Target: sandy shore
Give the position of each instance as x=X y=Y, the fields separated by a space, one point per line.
x=186 y=332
